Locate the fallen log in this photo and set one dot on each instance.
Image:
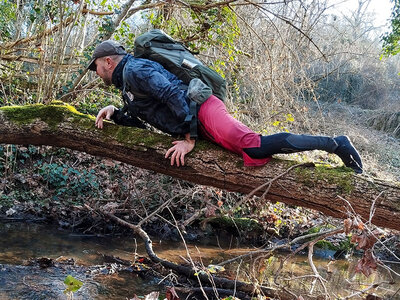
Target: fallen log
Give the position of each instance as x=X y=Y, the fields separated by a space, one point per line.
x=333 y=191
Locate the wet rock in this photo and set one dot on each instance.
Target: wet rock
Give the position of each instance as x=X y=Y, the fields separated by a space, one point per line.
x=45 y=262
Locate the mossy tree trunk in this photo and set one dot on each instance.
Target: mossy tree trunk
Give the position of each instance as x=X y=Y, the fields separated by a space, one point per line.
x=319 y=188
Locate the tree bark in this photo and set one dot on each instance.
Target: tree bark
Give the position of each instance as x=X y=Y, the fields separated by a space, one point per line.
x=329 y=190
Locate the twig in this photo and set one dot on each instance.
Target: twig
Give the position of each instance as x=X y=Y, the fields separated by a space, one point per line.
x=269 y=184
x=315 y=271
x=372 y=286
x=287 y=21
x=194 y=216
x=188 y=272
x=389 y=269
x=398 y=290
x=369 y=231
x=372 y=210
x=236 y=278
x=160 y=208
x=321 y=237
x=288 y=244
x=39 y=36
x=188 y=253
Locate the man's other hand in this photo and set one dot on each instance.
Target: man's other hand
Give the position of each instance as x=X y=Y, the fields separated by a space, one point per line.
x=179 y=150
x=104 y=113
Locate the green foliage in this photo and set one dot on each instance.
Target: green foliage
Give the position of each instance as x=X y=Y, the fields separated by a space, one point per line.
x=334 y=245
x=208 y=28
x=125 y=35
x=72 y=284
x=68 y=181
x=280 y=122
x=11 y=155
x=94 y=101
x=7 y=19
x=391 y=39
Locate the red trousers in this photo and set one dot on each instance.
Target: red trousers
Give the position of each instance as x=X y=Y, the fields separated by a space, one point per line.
x=218 y=126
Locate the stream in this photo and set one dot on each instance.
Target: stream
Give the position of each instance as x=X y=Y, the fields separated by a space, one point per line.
x=22 y=245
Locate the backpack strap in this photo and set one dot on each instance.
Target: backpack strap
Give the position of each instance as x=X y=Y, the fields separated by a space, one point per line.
x=192 y=118
x=168 y=46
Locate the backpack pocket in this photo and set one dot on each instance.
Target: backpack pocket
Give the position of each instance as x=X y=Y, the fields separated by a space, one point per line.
x=198 y=91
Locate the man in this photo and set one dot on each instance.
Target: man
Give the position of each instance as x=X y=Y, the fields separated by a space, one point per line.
x=163 y=103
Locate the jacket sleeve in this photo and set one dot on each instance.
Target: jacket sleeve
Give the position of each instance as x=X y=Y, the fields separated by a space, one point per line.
x=155 y=84
x=121 y=118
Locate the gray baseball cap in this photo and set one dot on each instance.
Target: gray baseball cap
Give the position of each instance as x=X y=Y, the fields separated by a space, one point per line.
x=106 y=48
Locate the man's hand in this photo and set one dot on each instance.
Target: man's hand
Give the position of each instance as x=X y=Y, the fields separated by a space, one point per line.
x=104 y=113
x=179 y=150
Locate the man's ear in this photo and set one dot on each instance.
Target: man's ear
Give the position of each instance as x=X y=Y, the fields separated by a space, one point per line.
x=110 y=62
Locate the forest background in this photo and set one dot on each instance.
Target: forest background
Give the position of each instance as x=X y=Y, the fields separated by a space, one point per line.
x=298 y=66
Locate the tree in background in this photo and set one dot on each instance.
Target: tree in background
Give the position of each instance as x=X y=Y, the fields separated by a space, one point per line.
x=274 y=55
x=391 y=39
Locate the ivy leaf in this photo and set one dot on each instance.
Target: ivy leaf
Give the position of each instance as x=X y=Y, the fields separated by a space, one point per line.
x=72 y=284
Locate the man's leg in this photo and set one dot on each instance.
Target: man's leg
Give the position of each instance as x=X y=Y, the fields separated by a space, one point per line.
x=289 y=143
x=218 y=126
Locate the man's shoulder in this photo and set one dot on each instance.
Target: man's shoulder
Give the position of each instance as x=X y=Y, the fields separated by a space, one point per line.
x=142 y=62
x=140 y=68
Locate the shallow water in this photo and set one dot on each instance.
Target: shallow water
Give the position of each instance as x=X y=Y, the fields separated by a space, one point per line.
x=20 y=242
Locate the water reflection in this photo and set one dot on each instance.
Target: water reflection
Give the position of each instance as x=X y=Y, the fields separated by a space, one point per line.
x=20 y=242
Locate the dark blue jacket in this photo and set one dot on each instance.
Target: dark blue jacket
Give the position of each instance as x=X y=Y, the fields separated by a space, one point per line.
x=162 y=102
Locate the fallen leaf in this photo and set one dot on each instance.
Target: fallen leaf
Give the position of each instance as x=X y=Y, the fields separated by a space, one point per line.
x=364 y=240
x=367 y=264
x=348 y=226
x=210 y=211
x=171 y=294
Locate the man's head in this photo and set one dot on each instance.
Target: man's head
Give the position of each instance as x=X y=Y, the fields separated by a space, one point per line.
x=105 y=58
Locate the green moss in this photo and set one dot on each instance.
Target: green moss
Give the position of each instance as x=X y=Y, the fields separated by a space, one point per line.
x=135 y=137
x=52 y=114
x=326 y=245
x=341 y=176
x=56 y=112
x=317 y=229
x=344 y=245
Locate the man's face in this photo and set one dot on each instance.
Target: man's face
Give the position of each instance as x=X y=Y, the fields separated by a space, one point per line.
x=104 y=69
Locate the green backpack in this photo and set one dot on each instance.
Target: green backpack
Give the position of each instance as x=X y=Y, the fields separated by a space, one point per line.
x=176 y=58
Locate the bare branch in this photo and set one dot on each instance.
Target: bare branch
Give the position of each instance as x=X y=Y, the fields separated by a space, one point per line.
x=289 y=22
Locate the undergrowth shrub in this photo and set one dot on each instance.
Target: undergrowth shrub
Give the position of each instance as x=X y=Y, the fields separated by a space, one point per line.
x=68 y=181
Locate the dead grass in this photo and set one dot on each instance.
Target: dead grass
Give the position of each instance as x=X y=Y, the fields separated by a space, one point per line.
x=379 y=150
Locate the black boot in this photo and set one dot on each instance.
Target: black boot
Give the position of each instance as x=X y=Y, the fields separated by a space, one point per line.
x=348 y=154
x=289 y=143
